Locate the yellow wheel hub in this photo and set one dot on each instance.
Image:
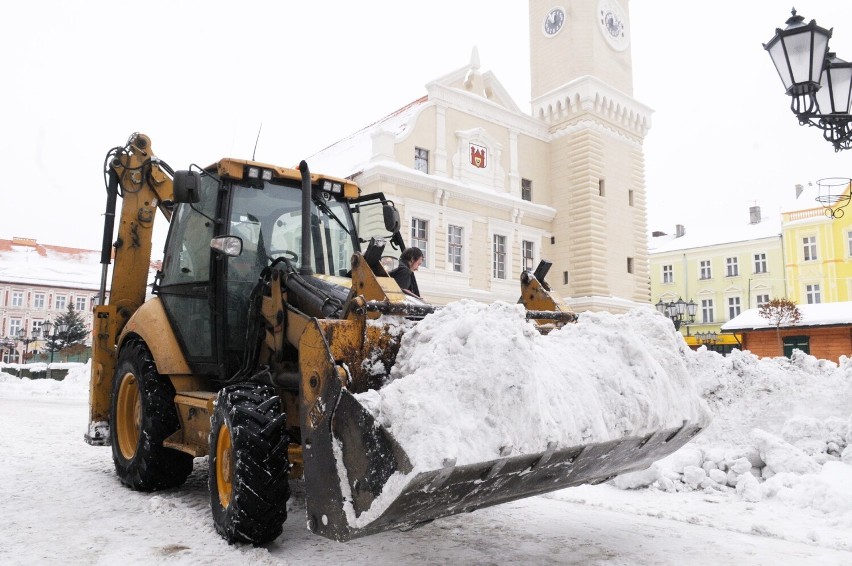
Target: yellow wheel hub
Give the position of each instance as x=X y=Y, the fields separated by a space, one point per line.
x=128 y=418
x=224 y=466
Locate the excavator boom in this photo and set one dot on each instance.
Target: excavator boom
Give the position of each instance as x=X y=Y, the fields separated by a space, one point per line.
x=134 y=173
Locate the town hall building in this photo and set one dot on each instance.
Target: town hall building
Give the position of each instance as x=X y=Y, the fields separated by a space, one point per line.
x=486 y=190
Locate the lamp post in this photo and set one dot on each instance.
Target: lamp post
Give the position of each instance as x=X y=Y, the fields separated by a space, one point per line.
x=58 y=330
x=820 y=86
x=27 y=340
x=818 y=82
x=678 y=311
x=708 y=338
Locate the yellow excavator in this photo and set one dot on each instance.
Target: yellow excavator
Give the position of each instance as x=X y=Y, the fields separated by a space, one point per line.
x=273 y=293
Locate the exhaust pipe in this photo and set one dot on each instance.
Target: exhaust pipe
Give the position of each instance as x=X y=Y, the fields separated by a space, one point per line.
x=305 y=268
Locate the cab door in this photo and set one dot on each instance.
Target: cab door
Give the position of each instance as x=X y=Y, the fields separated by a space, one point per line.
x=185 y=286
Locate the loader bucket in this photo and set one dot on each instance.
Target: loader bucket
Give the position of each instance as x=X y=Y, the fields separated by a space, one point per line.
x=359 y=480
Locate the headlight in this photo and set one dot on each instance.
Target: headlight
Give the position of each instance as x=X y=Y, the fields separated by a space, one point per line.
x=332 y=187
x=253 y=172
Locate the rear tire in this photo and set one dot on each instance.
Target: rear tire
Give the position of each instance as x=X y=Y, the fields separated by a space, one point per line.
x=142 y=416
x=249 y=464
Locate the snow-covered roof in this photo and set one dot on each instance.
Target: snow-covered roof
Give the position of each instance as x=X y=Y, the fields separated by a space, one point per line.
x=351 y=154
x=822 y=314
x=24 y=261
x=721 y=234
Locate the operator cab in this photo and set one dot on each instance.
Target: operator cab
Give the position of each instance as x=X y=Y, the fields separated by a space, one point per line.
x=225 y=231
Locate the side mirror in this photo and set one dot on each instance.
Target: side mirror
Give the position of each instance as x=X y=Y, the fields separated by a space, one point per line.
x=231 y=246
x=187 y=186
x=391 y=215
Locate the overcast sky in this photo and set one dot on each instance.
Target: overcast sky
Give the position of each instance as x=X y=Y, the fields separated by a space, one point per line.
x=200 y=77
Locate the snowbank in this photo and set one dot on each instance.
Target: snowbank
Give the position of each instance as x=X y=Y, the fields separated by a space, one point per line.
x=759 y=447
x=474 y=382
x=75 y=384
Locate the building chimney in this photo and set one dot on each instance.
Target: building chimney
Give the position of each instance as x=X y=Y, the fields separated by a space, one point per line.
x=680 y=230
x=799 y=189
x=754 y=215
x=657 y=233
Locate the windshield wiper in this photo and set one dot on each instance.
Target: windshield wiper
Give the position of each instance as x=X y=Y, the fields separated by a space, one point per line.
x=325 y=208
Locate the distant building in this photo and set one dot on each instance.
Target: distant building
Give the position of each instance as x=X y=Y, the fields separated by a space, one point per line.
x=824 y=331
x=37 y=283
x=487 y=190
x=803 y=253
x=735 y=267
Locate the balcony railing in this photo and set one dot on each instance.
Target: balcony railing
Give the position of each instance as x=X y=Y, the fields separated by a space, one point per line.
x=803 y=214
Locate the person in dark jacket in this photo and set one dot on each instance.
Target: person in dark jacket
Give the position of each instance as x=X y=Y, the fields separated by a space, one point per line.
x=409 y=262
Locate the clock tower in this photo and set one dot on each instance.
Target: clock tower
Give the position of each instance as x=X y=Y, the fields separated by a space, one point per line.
x=581 y=88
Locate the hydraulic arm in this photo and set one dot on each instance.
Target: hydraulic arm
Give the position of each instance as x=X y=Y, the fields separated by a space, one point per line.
x=133 y=173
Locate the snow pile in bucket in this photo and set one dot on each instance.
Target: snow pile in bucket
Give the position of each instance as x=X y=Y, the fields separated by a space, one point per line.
x=474 y=382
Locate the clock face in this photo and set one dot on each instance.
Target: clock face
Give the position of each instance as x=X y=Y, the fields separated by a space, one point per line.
x=553 y=21
x=613 y=24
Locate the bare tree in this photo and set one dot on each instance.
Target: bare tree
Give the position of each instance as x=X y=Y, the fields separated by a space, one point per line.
x=778 y=312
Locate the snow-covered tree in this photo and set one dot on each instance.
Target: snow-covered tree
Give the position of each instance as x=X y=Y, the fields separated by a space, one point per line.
x=75 y=332
x=780 y=312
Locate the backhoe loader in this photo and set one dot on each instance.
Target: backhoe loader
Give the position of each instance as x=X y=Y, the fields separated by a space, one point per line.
x=273 y=293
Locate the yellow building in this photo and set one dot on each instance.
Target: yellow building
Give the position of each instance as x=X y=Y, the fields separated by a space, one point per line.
x=487 y=190
x=735 y=267
x=818 y=249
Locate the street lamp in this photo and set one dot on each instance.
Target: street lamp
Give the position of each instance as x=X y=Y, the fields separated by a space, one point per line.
x=818 y=82
x=27 y=340
x=58 y=330
x=678 y=310
x=706 y=337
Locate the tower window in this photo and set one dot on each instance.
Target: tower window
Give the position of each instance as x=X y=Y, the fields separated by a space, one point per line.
x=602 y=187
x=421 y=159
x=526 y=189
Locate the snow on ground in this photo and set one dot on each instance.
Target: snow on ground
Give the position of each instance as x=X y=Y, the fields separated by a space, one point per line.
x=768 y=482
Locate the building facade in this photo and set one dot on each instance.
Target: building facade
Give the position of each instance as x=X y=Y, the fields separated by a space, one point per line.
x=818 y=253
x=805 y=255
x=37 y=283
x=726 y=272
x=487 y=190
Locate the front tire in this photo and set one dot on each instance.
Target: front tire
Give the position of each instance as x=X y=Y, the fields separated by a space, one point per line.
x=249 y=464
x=142 y=416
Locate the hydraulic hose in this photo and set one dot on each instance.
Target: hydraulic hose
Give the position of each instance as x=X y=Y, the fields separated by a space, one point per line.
x=109 y=226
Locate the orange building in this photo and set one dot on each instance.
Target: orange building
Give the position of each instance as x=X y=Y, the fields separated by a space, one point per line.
x=824 y=331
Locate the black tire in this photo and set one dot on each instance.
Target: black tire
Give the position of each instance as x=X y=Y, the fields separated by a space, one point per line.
x=249 y=464
x=142 y=415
